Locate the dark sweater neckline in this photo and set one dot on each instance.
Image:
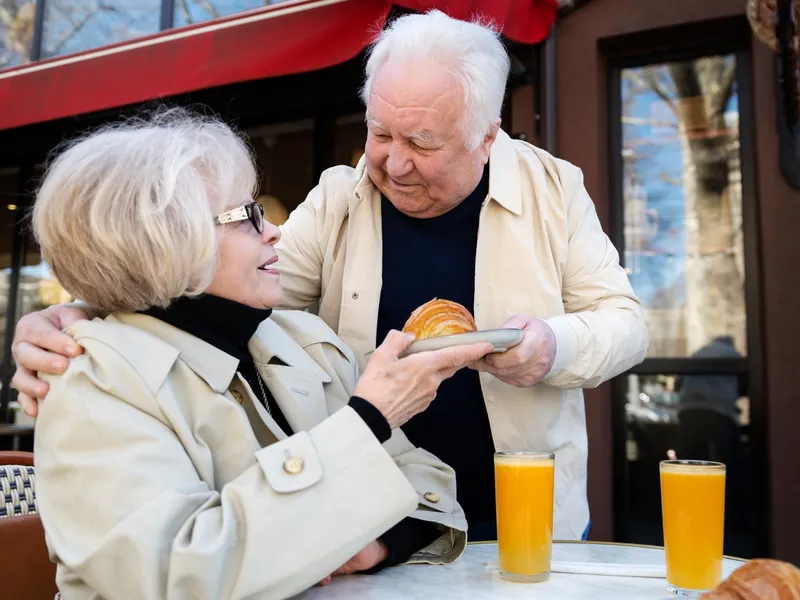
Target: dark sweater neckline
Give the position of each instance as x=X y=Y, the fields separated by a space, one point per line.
x=225 y=324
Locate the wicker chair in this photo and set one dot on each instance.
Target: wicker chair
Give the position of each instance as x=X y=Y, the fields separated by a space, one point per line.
x=25 y=567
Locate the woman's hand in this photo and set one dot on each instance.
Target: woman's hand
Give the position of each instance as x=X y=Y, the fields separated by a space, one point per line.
x=370 y=556
x=40 y=346
x=403 y=387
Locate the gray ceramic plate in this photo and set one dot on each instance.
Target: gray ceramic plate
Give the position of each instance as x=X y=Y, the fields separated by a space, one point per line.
x=501 y=339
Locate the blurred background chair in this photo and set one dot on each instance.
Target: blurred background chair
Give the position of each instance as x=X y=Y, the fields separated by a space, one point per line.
x=26 y=571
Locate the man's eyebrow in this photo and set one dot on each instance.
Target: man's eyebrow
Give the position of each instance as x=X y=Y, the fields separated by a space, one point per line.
x=423 y=135
x=374 y=123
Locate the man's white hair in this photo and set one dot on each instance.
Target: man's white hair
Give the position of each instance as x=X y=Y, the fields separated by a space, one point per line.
x=124 y=215
x=472 y=52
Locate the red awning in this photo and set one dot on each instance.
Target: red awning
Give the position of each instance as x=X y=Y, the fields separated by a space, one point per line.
x=292 y=37
x=526 y=21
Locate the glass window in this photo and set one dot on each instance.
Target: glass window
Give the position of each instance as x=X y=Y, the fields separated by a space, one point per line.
x=75 y=25
x=194 y=11
x=350 y=135
x=16 y=31
x=699 y=417
x=9 y=212
x=285 y=155
x=683 y=202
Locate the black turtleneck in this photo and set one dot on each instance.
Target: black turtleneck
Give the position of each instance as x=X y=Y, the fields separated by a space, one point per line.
x=435 y=258
x=229 y=326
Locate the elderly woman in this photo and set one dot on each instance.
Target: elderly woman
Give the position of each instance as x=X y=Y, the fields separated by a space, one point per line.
x=201 y=446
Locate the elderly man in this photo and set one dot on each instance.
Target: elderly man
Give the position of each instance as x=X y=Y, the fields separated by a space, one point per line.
x=445 y=204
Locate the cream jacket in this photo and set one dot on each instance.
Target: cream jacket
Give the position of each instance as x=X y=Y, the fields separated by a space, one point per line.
x=160 y=475
x=541 y=252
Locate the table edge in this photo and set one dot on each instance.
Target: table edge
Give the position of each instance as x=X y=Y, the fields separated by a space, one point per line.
x=600 y=543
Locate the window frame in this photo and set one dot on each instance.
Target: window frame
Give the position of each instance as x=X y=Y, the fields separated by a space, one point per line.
x=622 y=56
x=167 y=21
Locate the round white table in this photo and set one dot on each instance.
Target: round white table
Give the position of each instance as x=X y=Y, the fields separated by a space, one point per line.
x=475 y=575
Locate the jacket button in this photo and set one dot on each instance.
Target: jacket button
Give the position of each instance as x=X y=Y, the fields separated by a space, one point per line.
x=293 y=465
x=431 y=497
x=355 y=295
x=237 y=395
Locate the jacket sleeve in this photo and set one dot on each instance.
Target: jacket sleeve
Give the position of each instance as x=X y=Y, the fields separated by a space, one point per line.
x=116 y=487
x=433 y=480
x=301 y=254
x=602 y=332
x=435 y=484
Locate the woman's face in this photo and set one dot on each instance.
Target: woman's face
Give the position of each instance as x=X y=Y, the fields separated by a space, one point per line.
x=245 y=271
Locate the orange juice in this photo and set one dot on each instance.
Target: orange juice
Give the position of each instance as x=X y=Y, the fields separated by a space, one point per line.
x=524 y=488
x=693 y=508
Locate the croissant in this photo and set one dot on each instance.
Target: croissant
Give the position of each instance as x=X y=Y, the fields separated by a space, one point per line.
x=762 y=579
x=437 y=318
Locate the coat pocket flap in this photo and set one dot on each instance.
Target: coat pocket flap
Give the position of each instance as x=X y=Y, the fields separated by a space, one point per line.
x=291 y=465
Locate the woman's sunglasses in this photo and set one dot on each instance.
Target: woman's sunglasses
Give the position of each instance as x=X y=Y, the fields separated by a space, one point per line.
x=253 y=212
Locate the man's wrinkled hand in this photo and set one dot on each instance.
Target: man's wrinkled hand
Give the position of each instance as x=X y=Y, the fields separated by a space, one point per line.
x=527 y=363
x=40 y=347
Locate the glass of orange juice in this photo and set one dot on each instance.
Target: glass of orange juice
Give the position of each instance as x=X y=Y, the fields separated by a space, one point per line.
x=693 y=508
x=524 y=489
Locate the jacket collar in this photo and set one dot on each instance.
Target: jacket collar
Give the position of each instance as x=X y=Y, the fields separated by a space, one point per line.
x=505 y=186
x=217 y=368
x=211 y=364
x=271 y=343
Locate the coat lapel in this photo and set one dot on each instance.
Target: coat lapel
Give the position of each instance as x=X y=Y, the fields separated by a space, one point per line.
x=298 y=393
x=293 y=378
x=363 y=280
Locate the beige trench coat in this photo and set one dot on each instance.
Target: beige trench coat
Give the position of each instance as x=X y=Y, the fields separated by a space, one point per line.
x=160 y=475
x=541 y=252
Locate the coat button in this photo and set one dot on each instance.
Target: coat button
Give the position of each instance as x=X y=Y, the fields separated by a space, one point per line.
x=293 y=465
x=237 y=395
x=431 y=497
x=355 y=295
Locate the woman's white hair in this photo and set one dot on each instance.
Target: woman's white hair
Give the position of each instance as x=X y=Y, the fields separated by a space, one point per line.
x=124 y=215
x=472 y=52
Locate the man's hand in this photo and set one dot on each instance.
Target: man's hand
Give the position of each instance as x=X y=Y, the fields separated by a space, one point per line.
x=527 y=363
x=39 y=345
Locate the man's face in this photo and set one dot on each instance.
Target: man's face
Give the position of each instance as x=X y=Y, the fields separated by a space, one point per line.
x=415 y=150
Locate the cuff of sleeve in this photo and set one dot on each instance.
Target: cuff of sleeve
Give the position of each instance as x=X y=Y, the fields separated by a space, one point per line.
x=404 y=539
x=372 y=417
x=566 y=344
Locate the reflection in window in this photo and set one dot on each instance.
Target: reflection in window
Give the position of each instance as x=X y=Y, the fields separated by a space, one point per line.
x=699 y=417
x=285 y=154
x=9 y=212
x=75 y=25
x=683 y=202
x=16 y=31
x=194 y=11
x=350 y=135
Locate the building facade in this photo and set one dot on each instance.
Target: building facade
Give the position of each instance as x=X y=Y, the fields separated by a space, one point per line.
x=673 y=114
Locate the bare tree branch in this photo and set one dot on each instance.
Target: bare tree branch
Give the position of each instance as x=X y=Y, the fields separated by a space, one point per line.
x=66 y=36
x=655 y=86
x=666 y=178
x=187 y=15
x=6 y=18
x=727 y=83
x=651 y=122
x=208 y=7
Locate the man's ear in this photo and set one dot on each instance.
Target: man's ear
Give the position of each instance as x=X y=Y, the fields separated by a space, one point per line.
x=489 y=139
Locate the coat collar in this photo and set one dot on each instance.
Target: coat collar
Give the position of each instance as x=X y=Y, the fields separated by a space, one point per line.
x=505 y=186
x=271 y=342
x=217 y=368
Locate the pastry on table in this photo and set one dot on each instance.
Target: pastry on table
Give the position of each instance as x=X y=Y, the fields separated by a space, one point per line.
x=437 y=318
x=761 y=579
